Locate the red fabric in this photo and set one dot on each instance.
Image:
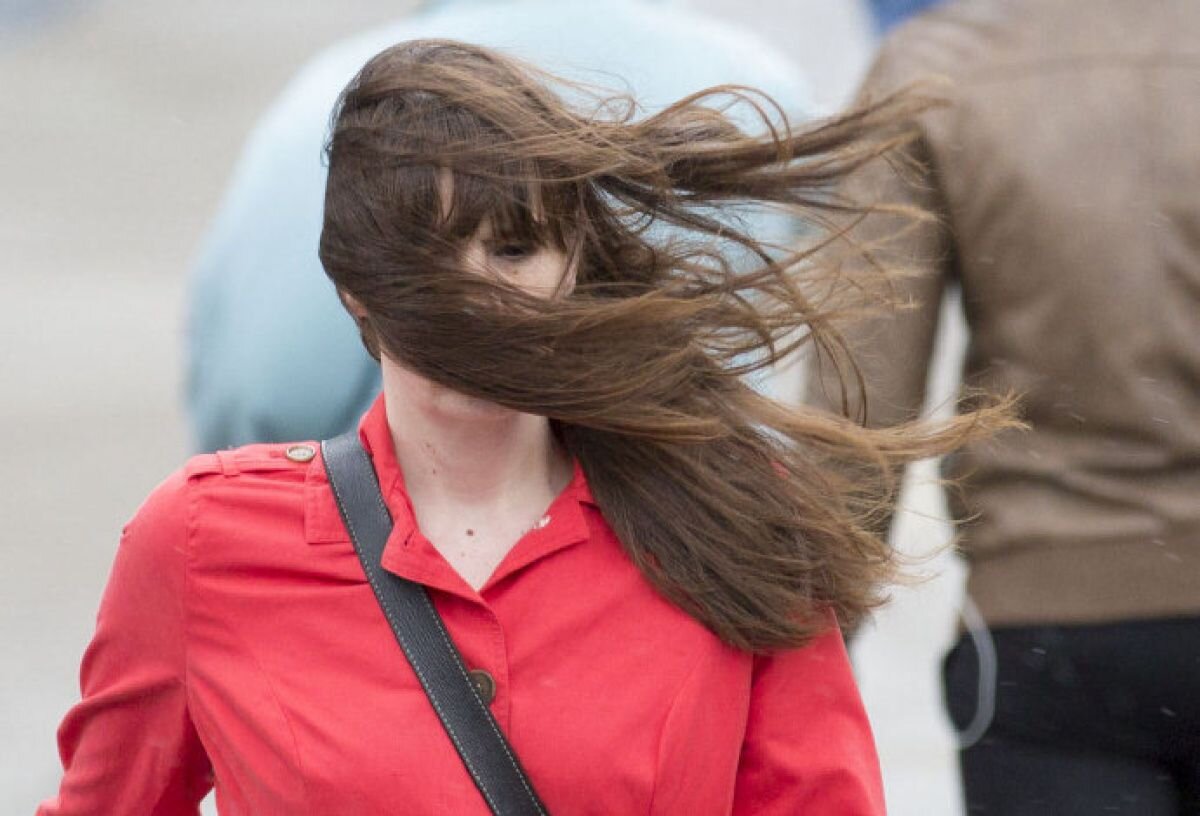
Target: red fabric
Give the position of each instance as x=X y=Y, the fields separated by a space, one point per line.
x=238 y=642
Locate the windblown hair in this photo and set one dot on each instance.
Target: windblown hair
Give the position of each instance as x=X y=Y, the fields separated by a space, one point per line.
x=749 y=515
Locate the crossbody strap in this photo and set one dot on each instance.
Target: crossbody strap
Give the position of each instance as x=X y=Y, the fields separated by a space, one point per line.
x=488 y=757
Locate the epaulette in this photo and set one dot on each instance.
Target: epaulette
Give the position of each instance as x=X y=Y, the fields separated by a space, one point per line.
x=255 y=458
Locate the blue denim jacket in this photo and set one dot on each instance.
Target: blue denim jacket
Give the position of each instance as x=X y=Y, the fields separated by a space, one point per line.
x=272 y=356
x=888 y=14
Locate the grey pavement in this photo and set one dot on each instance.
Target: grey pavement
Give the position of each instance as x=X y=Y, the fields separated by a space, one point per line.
x=120 y=123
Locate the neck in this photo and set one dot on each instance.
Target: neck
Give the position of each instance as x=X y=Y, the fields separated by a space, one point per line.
x=470 y=455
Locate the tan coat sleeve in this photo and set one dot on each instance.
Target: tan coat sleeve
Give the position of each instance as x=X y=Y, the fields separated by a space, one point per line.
x=893 y=348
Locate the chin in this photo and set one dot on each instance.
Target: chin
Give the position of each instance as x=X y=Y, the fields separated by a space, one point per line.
x=452 y=404
x=437 y=399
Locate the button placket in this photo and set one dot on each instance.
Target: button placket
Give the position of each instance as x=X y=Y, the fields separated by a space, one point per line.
x=499 y=670
x=487 y=663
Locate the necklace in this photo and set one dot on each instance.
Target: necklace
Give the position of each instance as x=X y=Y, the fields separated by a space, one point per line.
x=537 y=525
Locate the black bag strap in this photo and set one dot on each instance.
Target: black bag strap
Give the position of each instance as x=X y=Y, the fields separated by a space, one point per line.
x=488 y=757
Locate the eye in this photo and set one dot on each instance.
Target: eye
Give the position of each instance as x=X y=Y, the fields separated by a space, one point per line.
x=512 y=251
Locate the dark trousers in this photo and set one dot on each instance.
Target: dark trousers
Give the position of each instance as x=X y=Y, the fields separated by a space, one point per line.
x=1089 y=720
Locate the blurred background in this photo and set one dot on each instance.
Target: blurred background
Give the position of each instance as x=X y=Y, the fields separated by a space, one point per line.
x=121 y=122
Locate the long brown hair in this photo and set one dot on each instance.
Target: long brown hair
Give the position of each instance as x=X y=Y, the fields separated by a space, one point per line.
x=748 y=514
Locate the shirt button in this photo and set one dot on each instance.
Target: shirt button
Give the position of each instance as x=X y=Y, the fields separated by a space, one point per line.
x=484 y=684
x=300 y=453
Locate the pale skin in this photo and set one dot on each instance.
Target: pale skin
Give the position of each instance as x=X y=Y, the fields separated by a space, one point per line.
x=479 y=475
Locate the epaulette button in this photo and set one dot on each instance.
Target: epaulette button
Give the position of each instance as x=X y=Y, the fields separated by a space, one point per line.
x=301 y=453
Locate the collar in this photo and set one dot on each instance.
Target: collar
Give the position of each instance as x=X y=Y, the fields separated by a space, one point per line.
x=407 y=552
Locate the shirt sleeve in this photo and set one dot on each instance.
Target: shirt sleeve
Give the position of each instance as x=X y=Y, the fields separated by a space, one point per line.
x=129 y=746
x=808 y=746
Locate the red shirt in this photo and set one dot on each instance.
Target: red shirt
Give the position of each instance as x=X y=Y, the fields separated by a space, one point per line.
x=238 y=643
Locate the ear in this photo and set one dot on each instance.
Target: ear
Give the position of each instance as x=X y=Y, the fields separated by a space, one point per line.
x=356 y=309
x=359 y=313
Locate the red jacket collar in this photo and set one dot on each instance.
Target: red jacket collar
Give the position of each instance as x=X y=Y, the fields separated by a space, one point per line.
x=407 y=552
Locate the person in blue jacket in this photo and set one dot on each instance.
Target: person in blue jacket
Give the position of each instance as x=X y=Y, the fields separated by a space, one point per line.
x=271 y=354
x=887 y=14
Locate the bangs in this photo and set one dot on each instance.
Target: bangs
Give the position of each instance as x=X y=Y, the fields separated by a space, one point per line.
x=517 y=208
x=452 y=181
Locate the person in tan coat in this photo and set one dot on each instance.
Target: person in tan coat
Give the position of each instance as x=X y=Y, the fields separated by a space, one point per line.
x=1064 y=174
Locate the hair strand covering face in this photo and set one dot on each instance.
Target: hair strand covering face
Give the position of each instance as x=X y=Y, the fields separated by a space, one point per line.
x=749 y=515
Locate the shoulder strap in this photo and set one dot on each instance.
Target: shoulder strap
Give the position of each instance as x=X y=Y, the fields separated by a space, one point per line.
x=489 y=759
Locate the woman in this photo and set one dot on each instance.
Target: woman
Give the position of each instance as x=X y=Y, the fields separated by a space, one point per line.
x=645 y=558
